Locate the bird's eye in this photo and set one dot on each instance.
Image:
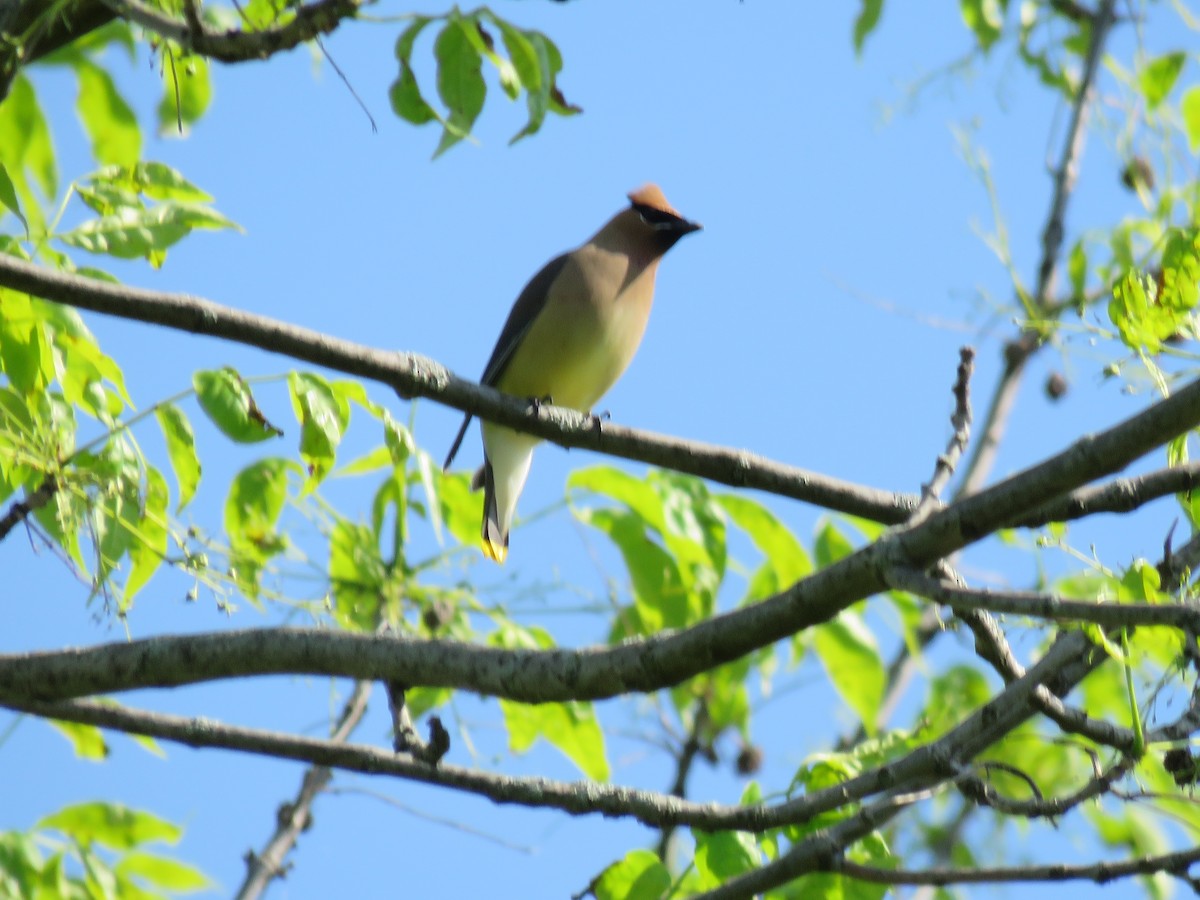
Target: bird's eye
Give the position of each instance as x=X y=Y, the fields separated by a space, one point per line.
x=657 y=218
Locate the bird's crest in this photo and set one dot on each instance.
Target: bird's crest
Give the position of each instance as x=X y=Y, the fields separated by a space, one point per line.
x=651 y=195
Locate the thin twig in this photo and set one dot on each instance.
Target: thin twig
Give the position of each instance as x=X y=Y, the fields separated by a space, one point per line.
x=310 y=22
x=943 y=471
x=21 y=510
x=267 y=864
x=1018 y=352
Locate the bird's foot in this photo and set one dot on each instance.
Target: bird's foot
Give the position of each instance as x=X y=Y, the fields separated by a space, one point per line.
x=536 y=403
x=597 y=420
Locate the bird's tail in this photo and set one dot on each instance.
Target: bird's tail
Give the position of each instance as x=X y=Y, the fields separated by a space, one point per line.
x=495 y=535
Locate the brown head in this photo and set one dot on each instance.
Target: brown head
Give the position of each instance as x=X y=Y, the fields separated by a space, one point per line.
x=659 y=220
x=648 y=228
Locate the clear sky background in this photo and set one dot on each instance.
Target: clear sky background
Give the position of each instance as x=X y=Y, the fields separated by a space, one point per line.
x=816 y=320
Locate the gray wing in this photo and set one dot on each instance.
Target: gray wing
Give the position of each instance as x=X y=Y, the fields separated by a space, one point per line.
x=524 y=311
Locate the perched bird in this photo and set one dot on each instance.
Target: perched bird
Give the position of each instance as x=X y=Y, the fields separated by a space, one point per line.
x=570 y=335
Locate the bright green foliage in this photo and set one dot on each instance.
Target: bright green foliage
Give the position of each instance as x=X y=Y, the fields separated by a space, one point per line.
x=87 y=740
x=252 y=511
x=1158 y=76
x=671 y=533
x=850 y=655
x=865 y=22
x=181 y=451
x=571 y=728
x=323 y=416
x=187 y=93
x=1150 y=308
x=723 y=855
x=985 y=18
x=1189 y=108
x=639 y=875
x=462 y=45
x=99 y=850
x=26 y=151
x=226 y=398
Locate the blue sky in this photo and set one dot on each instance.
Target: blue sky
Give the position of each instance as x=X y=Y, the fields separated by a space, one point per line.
x=816 y=320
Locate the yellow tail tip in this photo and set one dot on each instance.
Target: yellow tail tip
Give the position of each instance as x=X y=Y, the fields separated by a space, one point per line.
x=497 y=553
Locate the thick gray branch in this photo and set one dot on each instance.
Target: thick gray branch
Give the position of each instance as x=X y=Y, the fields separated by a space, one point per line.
x=645 y=665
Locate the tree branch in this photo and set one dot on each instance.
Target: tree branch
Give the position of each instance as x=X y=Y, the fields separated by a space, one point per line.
x=1175 y=864
x=961 y=422
x=644 y=665
x=294 y=817
x=412 y=375
x=20 y=510
x=1120 y=495
x=1063 y=666
x=234 y=46
x=1018 y=352
x=1047 y=606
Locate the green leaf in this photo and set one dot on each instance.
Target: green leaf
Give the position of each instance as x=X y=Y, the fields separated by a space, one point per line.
x=153 y=179
x=1142 y=583
x=1158 y=77
x=110 y=824
x=110 y=123
x=460 y=82
x=148 y=549
x=430 y=474
x=88 y=740
x=130 y=232
x=371 y=461
x=252 y=509
x=323 y=417
x=635 y=493
x=406 y=99
x=1189 y=108
x=25 y=144
x=985 y=18
x=785 y=556
x=640 y=875
x=660 y=597
x=405 y=94
x=1148 y=310
x=460 y=507
x=25 y=353
x=356 y=575
x=161 y=871
x=547 y=97
x=8 y=197
x=1077 y=270
x=694 y=525
x=255 y=500
x=570 y=727
x=831 y=545
x=526 y=60
x=850 y=656
x=723 y=855
x=226 y=400
x=114 y=519
x=865 y=22
x=187 y=93
x=181 y=451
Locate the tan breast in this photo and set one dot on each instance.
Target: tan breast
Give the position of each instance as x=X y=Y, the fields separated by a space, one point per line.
x=588 y=331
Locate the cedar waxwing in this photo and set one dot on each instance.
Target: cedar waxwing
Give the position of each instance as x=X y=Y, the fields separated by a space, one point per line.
x=568 y=338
